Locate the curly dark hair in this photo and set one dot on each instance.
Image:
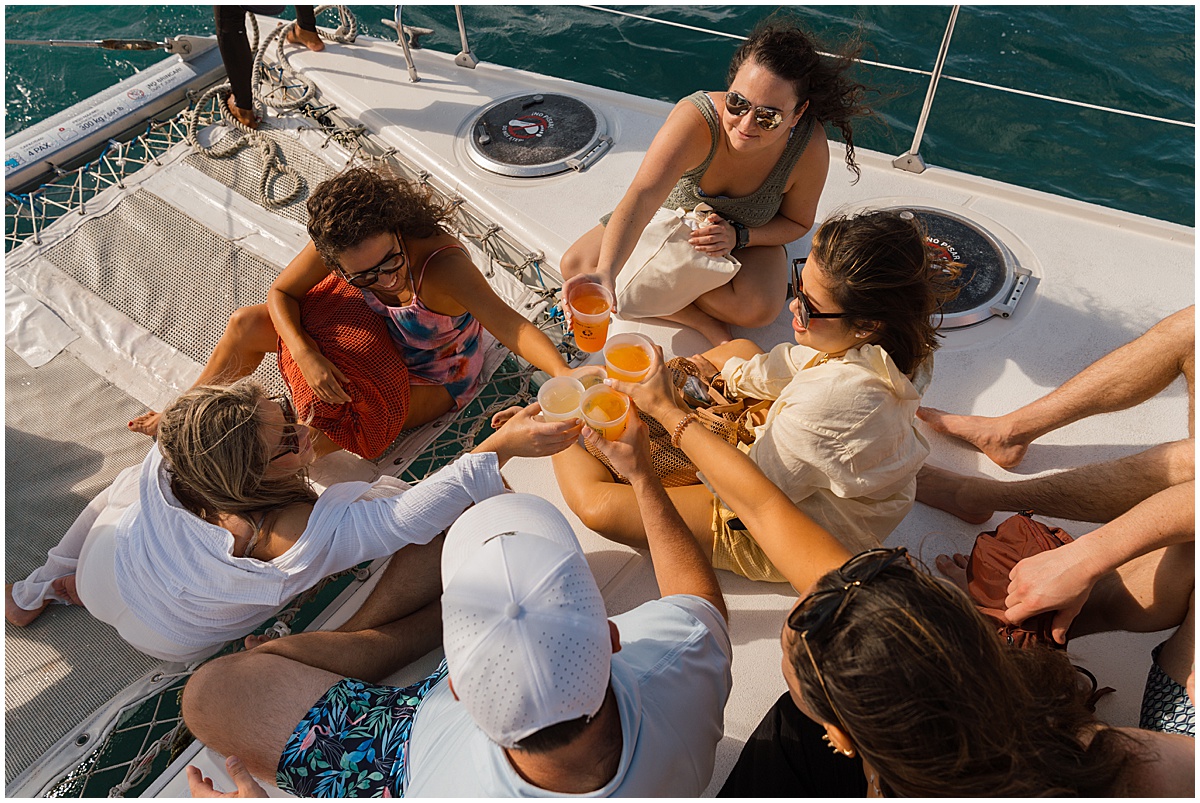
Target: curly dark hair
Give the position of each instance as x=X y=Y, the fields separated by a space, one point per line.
x=780 y=45
x=939 y=706
x=360 y=203
x=885 y=275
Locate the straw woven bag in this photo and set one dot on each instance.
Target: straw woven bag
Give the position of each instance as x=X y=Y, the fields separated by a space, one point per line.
x=729 y=420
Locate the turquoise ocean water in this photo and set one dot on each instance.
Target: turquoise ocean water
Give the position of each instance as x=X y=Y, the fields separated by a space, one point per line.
x=1136 y=58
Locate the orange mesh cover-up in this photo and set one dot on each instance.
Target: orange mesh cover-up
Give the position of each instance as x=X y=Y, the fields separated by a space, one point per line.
x=356 y=340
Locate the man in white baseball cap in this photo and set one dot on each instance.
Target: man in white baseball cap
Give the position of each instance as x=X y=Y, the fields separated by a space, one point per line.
x=545 y=693
x=540 y=692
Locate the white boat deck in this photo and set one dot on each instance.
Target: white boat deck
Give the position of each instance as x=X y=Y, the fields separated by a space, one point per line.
x=1101 y=277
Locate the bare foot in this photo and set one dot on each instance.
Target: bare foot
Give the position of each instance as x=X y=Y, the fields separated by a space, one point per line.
x=298 y=36
x=146 y=423
x=954 y=567
x=15 y=614
x=501 y=418
x=988 y=435
x=948 y=491
x=65 y=588
x=257 y=641
x=244 y=116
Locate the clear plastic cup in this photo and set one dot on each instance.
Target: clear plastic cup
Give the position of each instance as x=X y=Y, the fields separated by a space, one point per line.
x=591 y=313
x=589 y=375
x=605 y=410
x=560 y=397
x=628 y=357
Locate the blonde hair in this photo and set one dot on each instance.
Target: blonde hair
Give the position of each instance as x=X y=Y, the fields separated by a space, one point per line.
x=215 y=450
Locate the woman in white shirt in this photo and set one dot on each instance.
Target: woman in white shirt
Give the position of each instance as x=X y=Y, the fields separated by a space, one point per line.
x=219 y=527
x=840 y=438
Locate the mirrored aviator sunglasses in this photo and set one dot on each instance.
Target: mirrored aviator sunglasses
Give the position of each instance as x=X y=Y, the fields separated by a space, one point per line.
x=767 y=118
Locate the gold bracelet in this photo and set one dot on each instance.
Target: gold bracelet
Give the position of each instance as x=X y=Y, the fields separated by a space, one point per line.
x=681 y=426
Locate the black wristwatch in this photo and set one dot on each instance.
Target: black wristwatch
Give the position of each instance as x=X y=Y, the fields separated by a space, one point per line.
x=743 y=235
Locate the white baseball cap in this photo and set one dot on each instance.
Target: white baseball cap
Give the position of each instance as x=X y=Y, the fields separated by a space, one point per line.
x=523 y=622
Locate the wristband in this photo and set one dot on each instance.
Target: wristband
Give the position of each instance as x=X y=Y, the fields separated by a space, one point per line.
x=677 y=434
x=743 y=235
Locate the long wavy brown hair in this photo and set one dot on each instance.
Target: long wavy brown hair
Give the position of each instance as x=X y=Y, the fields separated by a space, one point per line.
x=360 y=203
x=885 y=275
x=217 y=454
x=781 y=46
x=940 y=707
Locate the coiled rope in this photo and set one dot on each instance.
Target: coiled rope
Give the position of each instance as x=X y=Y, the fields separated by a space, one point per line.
x=281 y=98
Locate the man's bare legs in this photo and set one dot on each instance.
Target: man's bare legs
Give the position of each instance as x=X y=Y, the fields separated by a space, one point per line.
x=247 y=704
x=248 y=337
x=1128 y=376
x=1153 y=592
x=1098 y=492
x=610 y=508
x=399 y=622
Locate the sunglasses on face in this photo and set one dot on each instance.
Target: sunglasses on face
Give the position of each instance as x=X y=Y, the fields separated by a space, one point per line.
x=390 y=264
x=289 y=442
x=767 y=117
x=797 y=291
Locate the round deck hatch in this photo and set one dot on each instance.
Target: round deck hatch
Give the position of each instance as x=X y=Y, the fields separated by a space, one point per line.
x=537 y=135
x=991 y=280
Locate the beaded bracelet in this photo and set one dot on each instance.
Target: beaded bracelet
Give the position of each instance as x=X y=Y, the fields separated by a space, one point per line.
x=681 y=426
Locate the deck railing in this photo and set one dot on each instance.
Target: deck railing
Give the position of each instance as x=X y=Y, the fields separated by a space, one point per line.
x=911 y=160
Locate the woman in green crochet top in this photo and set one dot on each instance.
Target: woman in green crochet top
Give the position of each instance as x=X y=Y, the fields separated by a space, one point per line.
x=758 y=155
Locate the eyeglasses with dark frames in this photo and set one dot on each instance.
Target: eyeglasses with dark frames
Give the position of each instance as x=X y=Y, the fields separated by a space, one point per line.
x=796 y=290
x=768 y=118
x=820 y=608
x=391 y=263
x=289 y=442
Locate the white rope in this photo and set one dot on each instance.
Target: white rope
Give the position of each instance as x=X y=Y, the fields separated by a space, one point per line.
x=913 y=71
x=1069 y=102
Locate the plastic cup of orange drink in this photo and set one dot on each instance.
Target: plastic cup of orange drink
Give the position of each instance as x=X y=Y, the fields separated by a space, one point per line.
x=605 y=410
x=627 y=357
x=591 y=312
x=560 y=397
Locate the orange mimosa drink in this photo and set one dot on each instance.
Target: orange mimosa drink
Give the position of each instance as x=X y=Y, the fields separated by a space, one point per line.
x=605 y=410
x=627 y=357
x=591 y=306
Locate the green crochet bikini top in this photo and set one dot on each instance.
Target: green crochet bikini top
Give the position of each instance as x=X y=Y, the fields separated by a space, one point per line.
x=761 y=205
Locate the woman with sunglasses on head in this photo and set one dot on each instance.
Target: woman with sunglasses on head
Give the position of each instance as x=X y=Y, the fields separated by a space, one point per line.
x=379 y=248
x=758 y=155
x=219 y=527
x=840 y=437
x=896 y=684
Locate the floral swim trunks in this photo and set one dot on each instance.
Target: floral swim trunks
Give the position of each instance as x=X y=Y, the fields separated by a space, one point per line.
x=354 y=741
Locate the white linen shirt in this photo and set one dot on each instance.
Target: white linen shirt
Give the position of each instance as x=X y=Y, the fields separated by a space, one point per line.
x=840 y=438
x=671 y=679
x=177 y=573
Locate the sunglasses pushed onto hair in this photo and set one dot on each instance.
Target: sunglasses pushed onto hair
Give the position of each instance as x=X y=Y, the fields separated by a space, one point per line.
x=820 y=608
